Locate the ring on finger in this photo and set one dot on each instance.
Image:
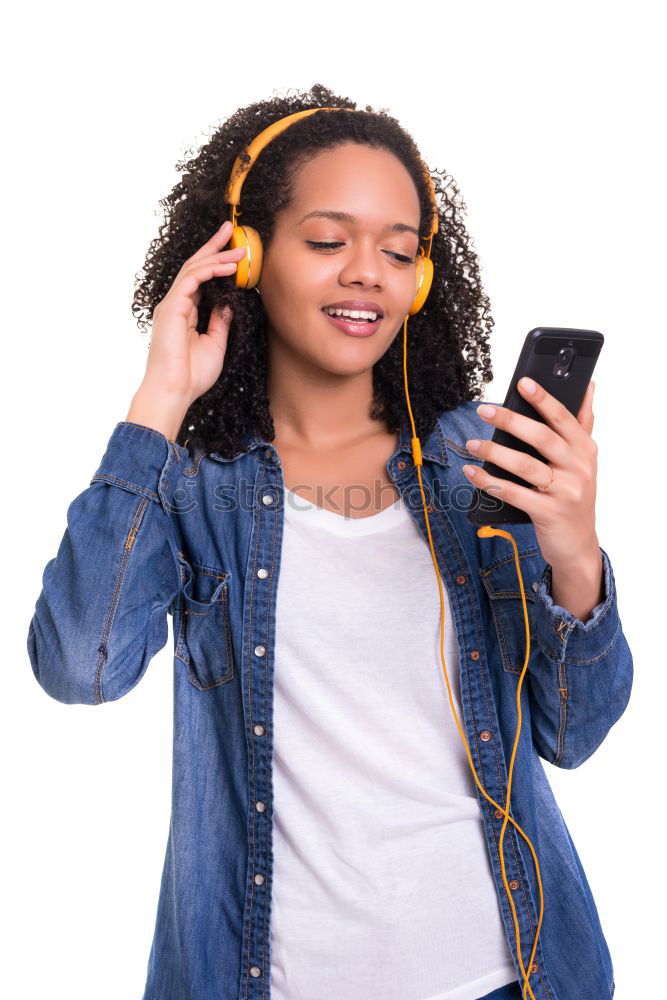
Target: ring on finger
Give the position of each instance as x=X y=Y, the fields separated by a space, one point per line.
x=543 y=489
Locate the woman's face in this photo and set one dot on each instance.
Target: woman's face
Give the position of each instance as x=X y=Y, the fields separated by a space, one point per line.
x=368 y=263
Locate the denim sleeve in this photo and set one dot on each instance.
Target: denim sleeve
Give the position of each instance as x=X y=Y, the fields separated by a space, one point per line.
x=581 y=684
x=102 y=612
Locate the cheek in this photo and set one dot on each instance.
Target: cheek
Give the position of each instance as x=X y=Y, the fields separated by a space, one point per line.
x=304 y=290
x=293 y=279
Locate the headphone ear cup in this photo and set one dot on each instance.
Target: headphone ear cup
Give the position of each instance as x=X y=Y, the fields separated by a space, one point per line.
x=425 y=273
x=249 y=267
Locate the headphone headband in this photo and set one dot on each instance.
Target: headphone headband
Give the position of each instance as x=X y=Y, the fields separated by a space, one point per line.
x=242 y=165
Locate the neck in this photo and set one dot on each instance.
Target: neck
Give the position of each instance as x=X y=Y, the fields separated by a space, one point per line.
x=316 y=409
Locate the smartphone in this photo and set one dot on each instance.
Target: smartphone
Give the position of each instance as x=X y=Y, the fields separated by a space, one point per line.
x=562 y=361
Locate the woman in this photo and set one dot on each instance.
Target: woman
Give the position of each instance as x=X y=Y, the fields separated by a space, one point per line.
x=327 y=837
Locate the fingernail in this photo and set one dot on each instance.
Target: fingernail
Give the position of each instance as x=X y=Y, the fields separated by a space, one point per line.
x=472 y=445
x=485 y=410
x=527 y=384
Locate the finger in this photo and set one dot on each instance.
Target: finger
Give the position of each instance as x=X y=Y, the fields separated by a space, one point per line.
x=528 y=500
x=545 y=440
x=218 y=239
x=585 y=415
x=218 y=325
x=224 y=257
x=531 y=469
x=186 y=286
x=233 y=253
x=556 y=414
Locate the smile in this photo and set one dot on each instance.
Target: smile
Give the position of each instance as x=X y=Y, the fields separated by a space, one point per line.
x=353 y=327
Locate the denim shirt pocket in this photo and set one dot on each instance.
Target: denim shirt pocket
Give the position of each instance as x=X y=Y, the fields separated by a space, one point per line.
x=501 y=581
x=202 y=624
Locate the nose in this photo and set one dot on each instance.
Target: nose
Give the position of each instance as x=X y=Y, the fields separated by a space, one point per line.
x=363 y=265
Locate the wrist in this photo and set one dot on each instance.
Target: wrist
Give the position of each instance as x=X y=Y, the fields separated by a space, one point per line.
x=160 y=410
x=579 y=587
x=587 y=564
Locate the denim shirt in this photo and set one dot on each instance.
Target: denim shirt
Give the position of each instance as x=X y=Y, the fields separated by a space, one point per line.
x=162 y=531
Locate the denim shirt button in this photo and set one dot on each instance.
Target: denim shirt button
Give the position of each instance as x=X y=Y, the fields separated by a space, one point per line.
x=259 y=879
x=460 y=578
x=513 y=884
x=255 y=970
x=401 y=465
x=262 y=573
x=260 y=650
x=258 y=730
x=260 y=807
x=485 y=735
x=267 y=499
x=474 y=655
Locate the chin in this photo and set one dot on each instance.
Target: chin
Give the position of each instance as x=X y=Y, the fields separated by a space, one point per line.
x=356 y=359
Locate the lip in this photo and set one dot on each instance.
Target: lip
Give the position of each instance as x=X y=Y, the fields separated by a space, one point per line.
x=350 y=327
x=357 y=304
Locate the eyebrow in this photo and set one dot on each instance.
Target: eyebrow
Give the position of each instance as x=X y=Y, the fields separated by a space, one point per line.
x=396 y=227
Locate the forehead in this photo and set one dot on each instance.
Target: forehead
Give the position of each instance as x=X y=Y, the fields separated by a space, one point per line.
x=371 y=184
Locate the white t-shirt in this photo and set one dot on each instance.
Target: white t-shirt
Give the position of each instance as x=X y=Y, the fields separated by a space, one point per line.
x=382 y=886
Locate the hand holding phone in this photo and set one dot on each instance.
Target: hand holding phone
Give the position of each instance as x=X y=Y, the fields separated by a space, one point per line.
x=562 y=361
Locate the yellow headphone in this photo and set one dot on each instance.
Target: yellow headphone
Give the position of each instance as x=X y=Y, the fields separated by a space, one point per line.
x=246 y=276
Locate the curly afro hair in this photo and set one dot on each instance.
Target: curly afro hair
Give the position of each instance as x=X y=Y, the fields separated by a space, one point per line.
x=448 y=351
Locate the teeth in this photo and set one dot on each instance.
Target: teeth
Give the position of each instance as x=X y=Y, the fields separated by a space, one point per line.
x=352 y=313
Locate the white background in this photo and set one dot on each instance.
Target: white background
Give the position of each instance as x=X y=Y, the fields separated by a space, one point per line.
x=550 y=117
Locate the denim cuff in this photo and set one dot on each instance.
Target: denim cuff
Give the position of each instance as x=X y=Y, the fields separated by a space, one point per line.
x=566 y=639
x=141 y=460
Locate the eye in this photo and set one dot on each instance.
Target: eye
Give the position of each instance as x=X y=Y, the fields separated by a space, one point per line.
x=326 y=246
